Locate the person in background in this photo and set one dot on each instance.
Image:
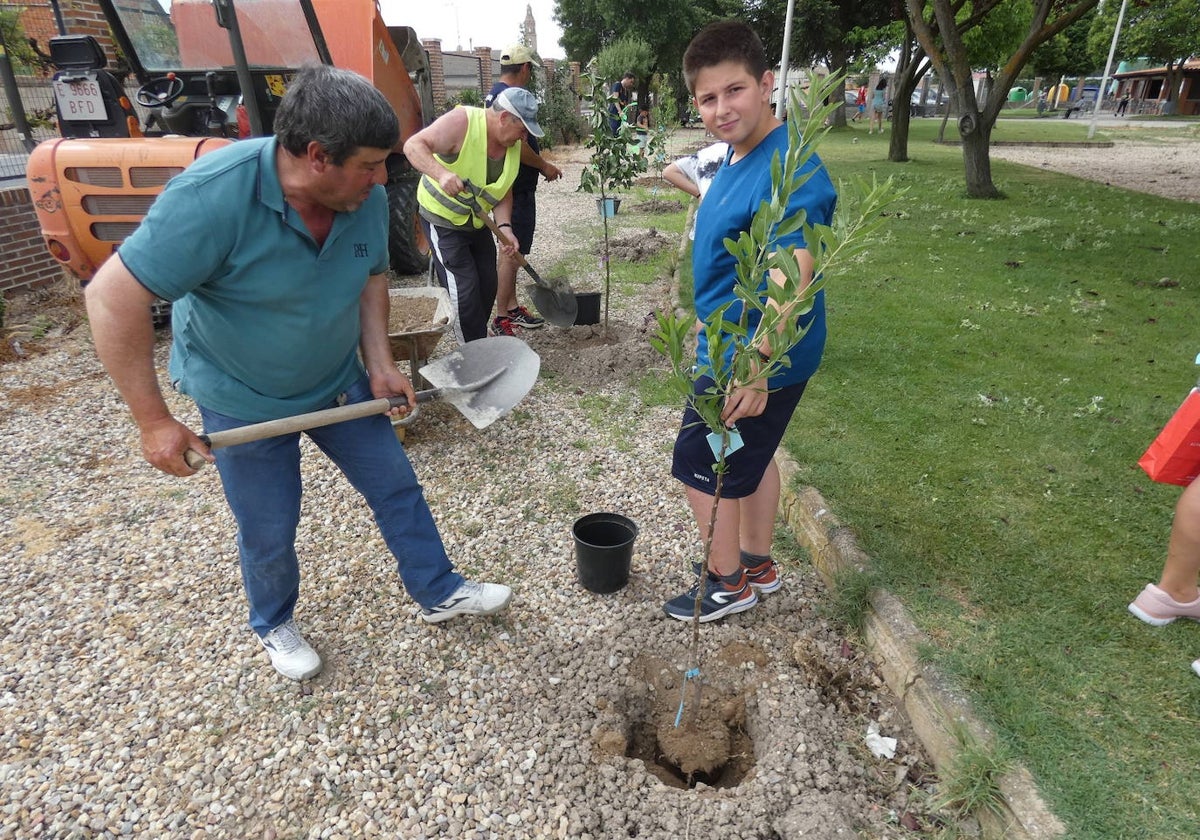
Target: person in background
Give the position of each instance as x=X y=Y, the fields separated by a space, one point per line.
x=1176 y=595
x=878 y=105
x=516 y=69
x=860 y=103
x=469 y=158
x=726 y=70
x=278 y=278
x=694 y=173
x=618 y=101
x=642 y=129
x=1122 y=105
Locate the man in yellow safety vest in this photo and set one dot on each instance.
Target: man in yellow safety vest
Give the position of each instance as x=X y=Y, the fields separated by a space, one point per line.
x=469 y=158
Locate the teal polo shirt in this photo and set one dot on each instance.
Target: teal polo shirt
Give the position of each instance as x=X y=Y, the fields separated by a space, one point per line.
x=265 y=324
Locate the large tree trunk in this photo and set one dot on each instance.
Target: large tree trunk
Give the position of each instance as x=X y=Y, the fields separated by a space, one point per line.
x=976 y=134
x=837 y=64
x=898 y=141
x=912 y=65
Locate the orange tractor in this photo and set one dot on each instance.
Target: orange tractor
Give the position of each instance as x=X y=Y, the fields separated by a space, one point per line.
x=210 y=72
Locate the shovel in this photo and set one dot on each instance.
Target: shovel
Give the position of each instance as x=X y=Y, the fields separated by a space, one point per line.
x=554 y=298
x=484 y=380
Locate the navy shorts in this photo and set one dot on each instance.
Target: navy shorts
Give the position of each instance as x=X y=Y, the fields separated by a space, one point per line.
x=693 y=459
x=524 y=218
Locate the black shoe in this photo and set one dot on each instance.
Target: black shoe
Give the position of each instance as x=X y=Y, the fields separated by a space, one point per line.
x=522 y=317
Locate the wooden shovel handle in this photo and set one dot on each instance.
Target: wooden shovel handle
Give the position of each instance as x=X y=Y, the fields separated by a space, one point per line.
x=300 y=423
x=495 y=228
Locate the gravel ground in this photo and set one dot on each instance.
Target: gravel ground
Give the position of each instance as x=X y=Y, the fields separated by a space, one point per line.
x=1169 y=167
x=135 y=701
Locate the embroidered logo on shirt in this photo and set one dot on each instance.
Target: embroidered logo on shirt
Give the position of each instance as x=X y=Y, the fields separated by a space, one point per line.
x=360 y=250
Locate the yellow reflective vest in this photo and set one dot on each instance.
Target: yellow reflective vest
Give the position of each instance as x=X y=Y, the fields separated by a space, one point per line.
x=471 y=165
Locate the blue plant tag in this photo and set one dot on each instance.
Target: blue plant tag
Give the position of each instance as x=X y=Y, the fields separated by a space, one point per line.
x=716 y=440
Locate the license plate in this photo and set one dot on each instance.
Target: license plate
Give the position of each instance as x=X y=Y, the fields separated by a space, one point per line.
x=80 y=99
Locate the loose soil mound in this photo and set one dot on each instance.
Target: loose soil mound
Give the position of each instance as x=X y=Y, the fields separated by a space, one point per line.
x=588 y=356
x=37 y=321
x=657 y=205
x=637 y=246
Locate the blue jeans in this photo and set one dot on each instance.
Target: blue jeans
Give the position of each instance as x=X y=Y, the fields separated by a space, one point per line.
x=262 y=485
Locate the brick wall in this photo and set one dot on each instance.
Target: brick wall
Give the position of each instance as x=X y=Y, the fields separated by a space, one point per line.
x=484 y=54
x=27 y=263
x=437 y=71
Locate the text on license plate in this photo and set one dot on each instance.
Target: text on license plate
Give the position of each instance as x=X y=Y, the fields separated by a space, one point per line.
x=80 y=99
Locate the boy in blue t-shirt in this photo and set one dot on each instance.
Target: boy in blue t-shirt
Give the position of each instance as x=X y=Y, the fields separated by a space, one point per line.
x=726 y=69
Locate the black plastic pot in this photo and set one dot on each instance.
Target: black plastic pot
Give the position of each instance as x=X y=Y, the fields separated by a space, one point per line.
x=588 y=311
x=603 y=551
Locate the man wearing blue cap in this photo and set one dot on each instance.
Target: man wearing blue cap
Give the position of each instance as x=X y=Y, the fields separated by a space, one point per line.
x=516 y=70
x=469 y=158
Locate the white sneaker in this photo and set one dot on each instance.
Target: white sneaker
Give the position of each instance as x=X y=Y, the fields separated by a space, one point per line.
x=290 y=654
x=470 y=599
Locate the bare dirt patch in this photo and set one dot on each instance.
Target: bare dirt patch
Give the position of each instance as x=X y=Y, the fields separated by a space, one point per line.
x=1169 y=168
x=638 y=246
x=39 y=320
x=588 y=356
x=657 y=205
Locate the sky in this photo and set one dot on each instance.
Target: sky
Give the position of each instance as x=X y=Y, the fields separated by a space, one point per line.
x=476 y=23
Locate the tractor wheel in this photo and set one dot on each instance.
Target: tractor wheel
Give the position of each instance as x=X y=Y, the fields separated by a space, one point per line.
x=408 y=249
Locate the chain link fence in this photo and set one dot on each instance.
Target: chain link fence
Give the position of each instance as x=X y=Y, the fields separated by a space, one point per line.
x=28 y=116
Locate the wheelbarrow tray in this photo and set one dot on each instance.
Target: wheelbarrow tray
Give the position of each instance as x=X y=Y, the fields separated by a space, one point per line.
x=416 y=343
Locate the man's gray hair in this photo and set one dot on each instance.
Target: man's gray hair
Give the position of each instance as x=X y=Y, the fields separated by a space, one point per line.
x=339 y=109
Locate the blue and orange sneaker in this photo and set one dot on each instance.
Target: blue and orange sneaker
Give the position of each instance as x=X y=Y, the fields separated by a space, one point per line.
x=764 y=577
x=723 y=595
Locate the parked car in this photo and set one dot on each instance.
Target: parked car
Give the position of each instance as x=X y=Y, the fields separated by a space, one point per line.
x=935 y=103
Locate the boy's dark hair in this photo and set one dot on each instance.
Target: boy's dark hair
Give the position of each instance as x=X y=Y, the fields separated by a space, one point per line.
x=629 y=75
x=724 y=40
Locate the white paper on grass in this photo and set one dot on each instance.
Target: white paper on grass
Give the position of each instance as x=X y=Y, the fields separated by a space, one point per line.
x=879 y=745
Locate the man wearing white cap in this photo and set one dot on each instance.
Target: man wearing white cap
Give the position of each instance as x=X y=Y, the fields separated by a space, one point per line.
x=469 y=159
x=516 y=69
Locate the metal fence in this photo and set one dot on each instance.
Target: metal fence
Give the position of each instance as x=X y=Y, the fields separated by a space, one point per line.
x=26 y=29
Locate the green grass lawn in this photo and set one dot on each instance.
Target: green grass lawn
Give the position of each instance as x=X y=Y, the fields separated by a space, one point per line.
x=993 y=373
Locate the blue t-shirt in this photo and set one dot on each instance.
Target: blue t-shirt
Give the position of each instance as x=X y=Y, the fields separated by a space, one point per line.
x=265 y=324
x=727 y=209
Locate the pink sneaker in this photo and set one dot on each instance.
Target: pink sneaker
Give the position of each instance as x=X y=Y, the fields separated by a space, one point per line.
x=1156 y=607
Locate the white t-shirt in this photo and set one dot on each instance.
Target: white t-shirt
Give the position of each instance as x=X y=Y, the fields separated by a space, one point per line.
x=702 y=167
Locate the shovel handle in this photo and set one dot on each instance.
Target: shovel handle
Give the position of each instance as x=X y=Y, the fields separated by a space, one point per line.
x=487 y=219
x=300 y=423
x=495 y=228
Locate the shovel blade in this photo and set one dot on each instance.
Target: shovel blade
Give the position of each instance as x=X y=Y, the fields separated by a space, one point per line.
x=559 y=308
x=485 y=379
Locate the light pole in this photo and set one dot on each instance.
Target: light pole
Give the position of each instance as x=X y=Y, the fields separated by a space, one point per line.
x=1107 y=66
x=783 y=60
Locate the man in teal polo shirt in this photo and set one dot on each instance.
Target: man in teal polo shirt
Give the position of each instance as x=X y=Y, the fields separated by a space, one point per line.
x=274 y=251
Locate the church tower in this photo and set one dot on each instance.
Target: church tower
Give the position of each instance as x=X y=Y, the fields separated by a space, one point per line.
x=529 y=29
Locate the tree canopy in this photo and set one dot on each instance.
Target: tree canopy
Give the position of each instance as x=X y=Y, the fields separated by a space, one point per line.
x=958 y=39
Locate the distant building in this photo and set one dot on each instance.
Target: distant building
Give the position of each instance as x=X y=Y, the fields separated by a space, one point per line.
x=1147 y=89
x=529 y=30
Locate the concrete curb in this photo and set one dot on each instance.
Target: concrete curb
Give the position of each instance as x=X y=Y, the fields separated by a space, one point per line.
x=934 y=708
